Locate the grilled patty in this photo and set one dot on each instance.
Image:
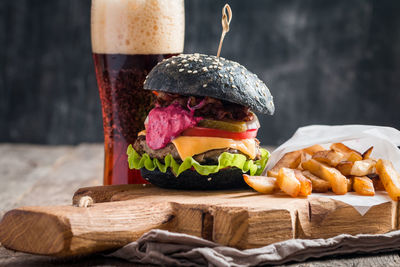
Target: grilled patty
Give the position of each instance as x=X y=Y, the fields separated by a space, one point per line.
x=208 y=157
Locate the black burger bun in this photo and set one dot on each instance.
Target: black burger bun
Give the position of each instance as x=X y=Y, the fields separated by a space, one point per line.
x=230 y=178
x=204 y=75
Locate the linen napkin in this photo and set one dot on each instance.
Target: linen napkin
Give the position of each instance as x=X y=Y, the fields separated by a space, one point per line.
x=165 y=248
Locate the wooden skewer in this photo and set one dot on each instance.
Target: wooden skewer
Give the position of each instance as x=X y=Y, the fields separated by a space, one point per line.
x=226 y=20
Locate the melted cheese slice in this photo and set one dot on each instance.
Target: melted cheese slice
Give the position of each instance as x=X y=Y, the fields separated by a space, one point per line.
x=188 y=146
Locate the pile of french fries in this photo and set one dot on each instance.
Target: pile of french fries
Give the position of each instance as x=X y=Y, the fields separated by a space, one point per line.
x=340 y=169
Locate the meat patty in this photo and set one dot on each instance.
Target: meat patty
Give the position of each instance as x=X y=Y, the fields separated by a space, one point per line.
x=208 y=157
x=210 y=108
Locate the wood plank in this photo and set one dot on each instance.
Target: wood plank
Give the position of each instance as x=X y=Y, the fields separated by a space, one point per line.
x=241 y=219
x=68 y=230
x=326 y=217
x=16 y=259
x=384 y=260
x=311 y=217
x=80 y=166
x=20 y=259
x=21 y=167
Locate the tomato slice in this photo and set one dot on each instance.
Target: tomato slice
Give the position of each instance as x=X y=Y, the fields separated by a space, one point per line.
x=208 y=132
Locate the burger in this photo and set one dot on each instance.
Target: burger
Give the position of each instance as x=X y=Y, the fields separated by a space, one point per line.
x=201 y=133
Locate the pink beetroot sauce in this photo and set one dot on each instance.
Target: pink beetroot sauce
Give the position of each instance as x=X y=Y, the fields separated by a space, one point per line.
x=166 y=123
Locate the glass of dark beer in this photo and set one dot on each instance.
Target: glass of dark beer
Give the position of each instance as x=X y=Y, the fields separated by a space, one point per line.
x=129 y=37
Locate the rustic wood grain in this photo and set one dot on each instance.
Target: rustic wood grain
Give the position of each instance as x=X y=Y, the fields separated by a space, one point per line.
x=19 y=259
x=46 y=175
x=385 y=260
x=242 y=219
x=67 y=230
x=298 y=218
x=21 y=167
x=38 y=162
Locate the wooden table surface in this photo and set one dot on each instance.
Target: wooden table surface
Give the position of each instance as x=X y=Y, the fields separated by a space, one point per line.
x=49 y=175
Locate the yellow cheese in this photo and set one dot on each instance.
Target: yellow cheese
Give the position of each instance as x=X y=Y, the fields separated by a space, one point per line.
x=188 y=146
x=142 y=133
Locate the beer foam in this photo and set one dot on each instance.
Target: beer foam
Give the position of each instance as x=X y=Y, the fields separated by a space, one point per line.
x=137 y=26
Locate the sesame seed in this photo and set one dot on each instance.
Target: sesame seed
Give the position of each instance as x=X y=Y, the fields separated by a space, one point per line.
x=180 y=70
x=183 y=61
x=226 y=76
x=200 y=60
x=220 y=75
x=195 y=71
x=242 y=72
x=257 y=84
x=205 y=85
x=209 y=179
x=234 y=86
x=187 y=64
x=189 y=71
x=172 y=62
x=231 y=79
x=219 y=68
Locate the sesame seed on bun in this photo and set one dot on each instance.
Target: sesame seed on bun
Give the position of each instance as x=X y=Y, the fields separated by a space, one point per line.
x=205 y=75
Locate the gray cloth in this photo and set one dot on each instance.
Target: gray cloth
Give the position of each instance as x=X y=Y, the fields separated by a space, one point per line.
x=173 y=249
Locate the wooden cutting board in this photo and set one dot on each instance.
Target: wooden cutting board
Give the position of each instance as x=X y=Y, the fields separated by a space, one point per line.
x=241 y=219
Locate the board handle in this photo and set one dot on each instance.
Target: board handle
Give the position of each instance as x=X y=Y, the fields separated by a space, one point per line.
x=68 y=230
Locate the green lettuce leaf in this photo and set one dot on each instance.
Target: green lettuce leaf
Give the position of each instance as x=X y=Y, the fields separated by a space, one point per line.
x=225 y=160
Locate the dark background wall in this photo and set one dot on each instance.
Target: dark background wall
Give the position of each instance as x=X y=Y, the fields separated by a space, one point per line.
x=325 y=62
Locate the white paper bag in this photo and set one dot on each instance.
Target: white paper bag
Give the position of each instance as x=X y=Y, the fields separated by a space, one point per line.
x=385 y=141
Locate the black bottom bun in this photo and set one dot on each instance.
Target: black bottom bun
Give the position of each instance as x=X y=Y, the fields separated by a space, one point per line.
x=230 y=178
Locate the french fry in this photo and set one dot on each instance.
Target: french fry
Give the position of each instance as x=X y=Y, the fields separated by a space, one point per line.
x=318 y=185
x=363 y=167
x=262 y=184
x=289 y=160
x=378 y=185
x=349 y=154
x=389 y=177
x=305 y=184
x=363 y=186
x=331 y=157
x=332 y=175
x=350 y=182
x=367 y=153
x=288 y=182
x=311 y=150
x=345 y=167
x=357 y=168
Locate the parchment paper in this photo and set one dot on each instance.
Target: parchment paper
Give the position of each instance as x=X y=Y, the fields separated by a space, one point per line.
x=360 y=137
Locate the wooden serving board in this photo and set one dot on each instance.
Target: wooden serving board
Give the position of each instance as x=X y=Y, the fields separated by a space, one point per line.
x=241 y=219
